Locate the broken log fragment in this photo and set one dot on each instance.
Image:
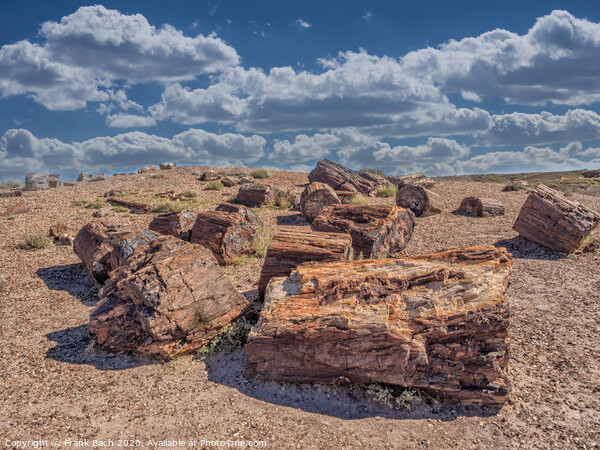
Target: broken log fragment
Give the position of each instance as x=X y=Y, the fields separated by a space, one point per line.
x=227 y=235
x=11 y=193
x=419 y=200
x=178 y=224
x=169 y=299
x=19 y=208
x=292 y=246
x=550 y=219
x=481 y=207
x=133 y=206
x=345 y=196
x=376 y=231
x=437 y=322
x=315 y=198
x=341 y=178
x=256 y=194
x=247 y=213
x=591 y=173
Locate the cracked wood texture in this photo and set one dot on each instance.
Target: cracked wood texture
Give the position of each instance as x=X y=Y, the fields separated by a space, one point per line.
x=247 y=213
x=290 y=247
x=256 y=194
x=178 y=224
x=170 y=298
x=315 y=198
x=481 y=207
x=419 y=200
x=375 y=230
x=552 y=220
x=103 y=247
x=227 y=235
x=341 y=178
x=436 y=322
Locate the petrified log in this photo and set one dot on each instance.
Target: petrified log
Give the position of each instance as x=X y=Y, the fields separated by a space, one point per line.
x=552 y=220
x=375 y=230
x=591 y=173
x=481 y=207
x=341 y=178
x=169 y=299
x=292 y=246
x=419 y=200
x=148 y=169
x=247 y=213
x=227 y=235
x=19 y=208
x=178 y=224
x=36 y=181
x=134 y=206
x=435 y=322
x=416 y=179
x=256 y=194
x=345 y=196
x=102 y=247
x=11 y=193
x=315 y=198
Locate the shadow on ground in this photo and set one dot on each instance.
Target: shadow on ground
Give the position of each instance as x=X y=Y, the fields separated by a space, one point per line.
x=523 y=248
x=344 y=401
x=76 y=346
x=72 y=278
x=293 y=220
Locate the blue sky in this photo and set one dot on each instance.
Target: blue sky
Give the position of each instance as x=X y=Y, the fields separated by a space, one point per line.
x=434 y=86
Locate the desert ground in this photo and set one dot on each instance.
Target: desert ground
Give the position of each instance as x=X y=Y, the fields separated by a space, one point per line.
x=56 y=384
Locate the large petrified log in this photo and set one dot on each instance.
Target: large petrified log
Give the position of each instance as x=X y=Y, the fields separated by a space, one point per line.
x=228 y=235
x=103 y=247
x=11 y=193
x=341 y=178
x=550 y=219
x=591 y=173
x=436 y=322
x=169 y=299
x=178 y=224
x=292 y=246
x=481 y=207
x=256 y=194
x=419 y=200
x=247 y=213
x=35 y=181
x=315 y=198
x=375 y=230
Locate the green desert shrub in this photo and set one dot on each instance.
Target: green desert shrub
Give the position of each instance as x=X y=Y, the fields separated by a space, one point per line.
x=214 y=185
x=261 y=243
x=96 y=204
x=360 y=199
x=168 y=206
x=10 y=184
x=389 y=190
x=232 y=336
x=260 y=173
x=36 y=240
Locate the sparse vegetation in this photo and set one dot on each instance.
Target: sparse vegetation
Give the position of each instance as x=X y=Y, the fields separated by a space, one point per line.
x=260 y=173
x=168 y=206
x=10 y=184
x=568 y=192
x=214 y=186
x=79 y=202
x=360 y=199
x=261 y=243
x=281 y=201
x=232 y=336
x=96 y=204
x=189 y=194
x=242 y=260
x=158 y=176
x=387 y=191
x=393 y=397
x=36 y=240
x=119 y=209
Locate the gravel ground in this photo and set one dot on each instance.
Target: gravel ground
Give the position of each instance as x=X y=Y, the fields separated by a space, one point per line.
x=56 y=384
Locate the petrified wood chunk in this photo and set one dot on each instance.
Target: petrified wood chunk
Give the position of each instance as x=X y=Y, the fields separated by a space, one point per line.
x=11 y=193
x=417 y=179
x=169 y=299
x=178 y=224
x=481 y=207
x=315 y=198
x=591 y=173
x=292 y=246
x=134 y=206
x=166 y=166
x=345 y=196
x=19 y=208
x=148 y=169
x=375 y=230
x=435 y=322
x=550 y=219
x=419 y=200
x=227 y=235
x=102 y=247
x=56 y=230
x=35 y=181
x=247 y=213
x=256 y=194
x=341 y=178
x=210 y=175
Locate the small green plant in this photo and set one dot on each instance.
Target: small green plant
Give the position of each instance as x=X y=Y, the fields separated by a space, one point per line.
x=282 y=200
x=168 y=206
x=260 y=173
x=232 y=336
x=568 y=192
x=359 y=199
x=37 y=240
x=78 y=217
x=214 y=186
x=387 y=191
x=242 y=260
x=261 y=243
x=119 y=209
x=189 y=194
x=79 y=202
x=158 y=176
x=10 y=184
x=393 y=397
x=96 y=204
x=11 y=217
x=380 y=255
x=223 y=172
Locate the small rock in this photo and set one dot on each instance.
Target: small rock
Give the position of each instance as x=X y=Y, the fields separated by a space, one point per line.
x=56 y=230
x=148 y=169
x=227 y=181
x=246 y=181
x=113 y=192
x=167 y=166
x=36 y=181
x=210 y=175
x=100 y=213
x=66 y=239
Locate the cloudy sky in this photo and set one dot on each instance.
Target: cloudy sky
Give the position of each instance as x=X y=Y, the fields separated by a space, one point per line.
x=434 y=86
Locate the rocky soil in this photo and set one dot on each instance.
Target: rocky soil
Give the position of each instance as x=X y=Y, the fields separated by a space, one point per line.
x=56 y=384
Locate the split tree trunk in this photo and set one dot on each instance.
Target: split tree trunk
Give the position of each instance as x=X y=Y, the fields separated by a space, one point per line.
x=292 y=246
x=341 y=178
x=436 y=322
x=256 y=194
x=227 y=235
x=419 y=200
x=315 y=198
x=178 y=224
x=169 y=299
x=552 y=220
x=376 y=231
x=481 y=207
